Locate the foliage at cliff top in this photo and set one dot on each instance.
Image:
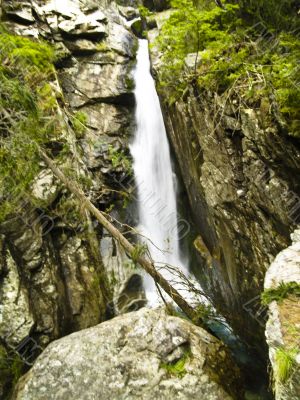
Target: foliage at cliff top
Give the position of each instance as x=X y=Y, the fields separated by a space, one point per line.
x=280 y=293
x=249 y=45
x=27 y=114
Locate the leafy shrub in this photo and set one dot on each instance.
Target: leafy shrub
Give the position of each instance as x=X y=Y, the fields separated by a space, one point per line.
x=276 y=15
x=261 y=59
x=119 y=159
x=190 y=30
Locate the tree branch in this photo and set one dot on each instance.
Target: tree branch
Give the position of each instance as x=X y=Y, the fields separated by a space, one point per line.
x=128 y=247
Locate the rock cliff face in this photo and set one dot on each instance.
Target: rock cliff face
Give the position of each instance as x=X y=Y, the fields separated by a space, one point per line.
x=240 y=171
x=54 y=278
x=141 y=355
x=60 y=272
x=283 y=326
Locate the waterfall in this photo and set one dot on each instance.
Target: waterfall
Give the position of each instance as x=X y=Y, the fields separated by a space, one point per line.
x=155 y=179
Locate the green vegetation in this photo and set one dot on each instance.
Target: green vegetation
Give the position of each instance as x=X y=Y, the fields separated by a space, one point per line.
x=67 y=210
x=249 y=46
x=11 y=369
x=276 y=15
x=79 y=123
x=280 y=293
x=144 y=12
x=29 y=119
x=119 y=159
x=140 y=250
x=28 y=115
x=285 y=364
x=103 y=47
x=177 y=368
x=129 y=81
x=204 y=313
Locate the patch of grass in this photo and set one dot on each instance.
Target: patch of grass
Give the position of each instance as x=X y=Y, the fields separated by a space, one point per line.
x=285 y=364
x=280 y=293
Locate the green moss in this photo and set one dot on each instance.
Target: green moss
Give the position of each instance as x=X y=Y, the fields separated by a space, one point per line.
x=129 y=82
x=96 y=284
x=138 y=28
x=23 y=52
x=46 y=100
x=177 y=368
x=204 y=313
x=280 y=293
x=103 y=47
x=67 y=211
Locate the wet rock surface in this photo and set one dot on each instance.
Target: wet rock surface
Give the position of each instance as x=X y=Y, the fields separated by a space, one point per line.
x=240 y=172
x=53 y=279
x=131 y=357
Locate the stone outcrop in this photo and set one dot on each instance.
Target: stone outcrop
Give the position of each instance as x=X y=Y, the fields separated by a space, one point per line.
x=157 y=5
x=283 y=326
x=240 y=171
x=54 y=278
x=141 y=355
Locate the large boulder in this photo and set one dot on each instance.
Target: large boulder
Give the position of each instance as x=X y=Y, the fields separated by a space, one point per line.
x=141 y=355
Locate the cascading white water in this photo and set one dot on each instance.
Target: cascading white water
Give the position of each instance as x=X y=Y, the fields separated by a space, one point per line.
x=153 y=173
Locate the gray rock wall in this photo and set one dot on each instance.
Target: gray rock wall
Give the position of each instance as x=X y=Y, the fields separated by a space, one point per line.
x=283 y=325
x=53 y=278
x=240 y=171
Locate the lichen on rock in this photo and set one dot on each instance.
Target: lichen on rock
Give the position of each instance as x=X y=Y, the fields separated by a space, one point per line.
x=124 y=359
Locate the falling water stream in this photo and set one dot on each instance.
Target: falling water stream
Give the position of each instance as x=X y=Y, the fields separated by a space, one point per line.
x=157 y=209
x=156 y=182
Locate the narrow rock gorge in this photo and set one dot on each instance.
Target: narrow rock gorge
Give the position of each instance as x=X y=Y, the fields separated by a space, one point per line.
x=220 y=154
